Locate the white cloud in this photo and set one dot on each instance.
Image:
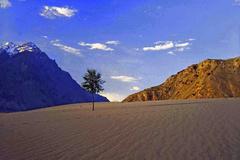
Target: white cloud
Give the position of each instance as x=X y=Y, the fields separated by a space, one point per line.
x=124 y=78
x=45 y=37
x=113 y=42
x=113 y=97
x=51 y=12
x=135 y=88
x=5 y=4
x=171 y=46
x=180 y=45
x=181 y=49
x=191 y=39
x=96 y=46
x=66 y=48
x=160 y=46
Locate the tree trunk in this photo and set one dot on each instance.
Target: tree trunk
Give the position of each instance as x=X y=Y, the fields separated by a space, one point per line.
x=92 y=102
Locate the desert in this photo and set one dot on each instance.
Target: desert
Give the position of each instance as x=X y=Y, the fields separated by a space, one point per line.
x=119 y=80
x=169 y=129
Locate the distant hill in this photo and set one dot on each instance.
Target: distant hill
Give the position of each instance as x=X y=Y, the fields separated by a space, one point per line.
x=211 y=78
x=30 y=80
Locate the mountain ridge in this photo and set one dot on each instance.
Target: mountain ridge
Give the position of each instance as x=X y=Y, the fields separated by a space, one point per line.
x=29 y=79
x=211 y=78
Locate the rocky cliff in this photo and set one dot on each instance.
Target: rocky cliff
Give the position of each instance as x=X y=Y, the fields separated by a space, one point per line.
x=211 y=78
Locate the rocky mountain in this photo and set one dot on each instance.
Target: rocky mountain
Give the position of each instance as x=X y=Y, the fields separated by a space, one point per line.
x=211 y=78
x=30 y=80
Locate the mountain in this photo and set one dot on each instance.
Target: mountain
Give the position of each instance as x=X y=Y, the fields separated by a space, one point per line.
x=30 y=80
x=211 y=78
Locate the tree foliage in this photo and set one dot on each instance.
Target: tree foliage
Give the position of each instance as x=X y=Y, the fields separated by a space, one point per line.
x=92 y=81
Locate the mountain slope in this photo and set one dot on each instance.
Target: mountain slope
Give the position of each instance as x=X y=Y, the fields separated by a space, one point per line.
x=211 y=78
x=29 y=80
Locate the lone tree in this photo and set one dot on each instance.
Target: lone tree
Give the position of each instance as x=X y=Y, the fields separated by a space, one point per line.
x=93 y=83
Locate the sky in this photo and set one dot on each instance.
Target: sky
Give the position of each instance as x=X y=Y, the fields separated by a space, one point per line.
x=134 y=44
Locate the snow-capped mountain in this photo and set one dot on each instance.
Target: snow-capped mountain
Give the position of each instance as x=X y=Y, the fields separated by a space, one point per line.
x=29 y=79
x=12 y=49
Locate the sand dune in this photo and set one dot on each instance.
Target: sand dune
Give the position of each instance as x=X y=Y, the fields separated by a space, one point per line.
x=166 y=130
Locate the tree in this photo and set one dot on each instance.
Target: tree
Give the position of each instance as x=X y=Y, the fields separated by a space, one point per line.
x=93 y=83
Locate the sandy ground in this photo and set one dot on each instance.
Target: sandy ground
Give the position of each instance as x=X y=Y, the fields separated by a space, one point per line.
x=166 y=130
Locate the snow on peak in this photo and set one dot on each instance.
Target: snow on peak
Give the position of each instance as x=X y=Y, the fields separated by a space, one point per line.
x=9 y=47
x=30 y=47
x=13 y=49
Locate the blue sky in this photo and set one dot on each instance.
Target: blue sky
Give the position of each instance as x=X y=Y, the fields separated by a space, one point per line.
x=134 y=44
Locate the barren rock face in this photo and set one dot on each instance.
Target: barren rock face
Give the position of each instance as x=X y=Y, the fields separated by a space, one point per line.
x=208 y=79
